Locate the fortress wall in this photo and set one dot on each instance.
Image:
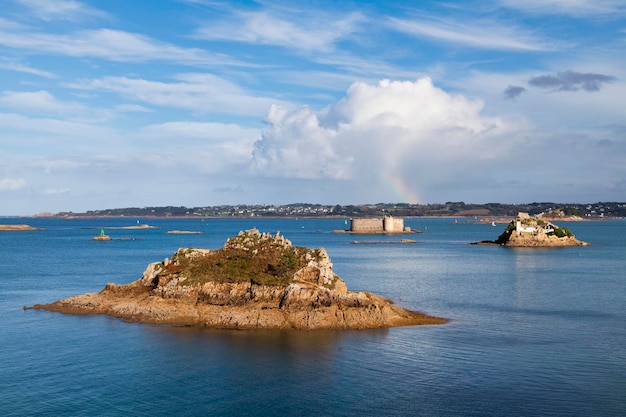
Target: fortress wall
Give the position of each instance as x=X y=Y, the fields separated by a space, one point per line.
x=387 y=224
x=366 y=225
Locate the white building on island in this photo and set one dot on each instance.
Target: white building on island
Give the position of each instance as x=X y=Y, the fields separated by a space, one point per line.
x=519 y=227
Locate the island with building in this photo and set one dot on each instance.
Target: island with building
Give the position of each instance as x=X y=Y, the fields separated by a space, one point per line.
x=256 y=280
x=377 y=225
x=534 y=231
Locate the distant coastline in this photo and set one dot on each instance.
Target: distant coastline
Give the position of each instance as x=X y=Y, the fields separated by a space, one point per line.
x=478 y=212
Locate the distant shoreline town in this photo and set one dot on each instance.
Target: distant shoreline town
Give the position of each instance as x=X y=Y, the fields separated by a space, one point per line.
x=450 y=209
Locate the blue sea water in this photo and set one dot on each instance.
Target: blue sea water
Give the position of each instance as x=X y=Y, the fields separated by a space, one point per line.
x=532 y=332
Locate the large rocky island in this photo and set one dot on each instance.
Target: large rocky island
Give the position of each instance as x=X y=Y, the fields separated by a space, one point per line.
x=257 y=280
x=534 y=231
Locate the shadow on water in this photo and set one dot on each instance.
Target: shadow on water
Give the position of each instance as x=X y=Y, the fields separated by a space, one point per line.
x=316 y=342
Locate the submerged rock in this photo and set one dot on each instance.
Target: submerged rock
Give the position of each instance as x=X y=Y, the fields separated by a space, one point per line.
x=527 y=231
x=257 y=280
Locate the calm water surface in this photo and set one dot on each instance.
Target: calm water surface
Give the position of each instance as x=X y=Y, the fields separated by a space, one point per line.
x=533 y=332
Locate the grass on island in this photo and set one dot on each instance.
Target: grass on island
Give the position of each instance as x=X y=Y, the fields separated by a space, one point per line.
x=266 y=265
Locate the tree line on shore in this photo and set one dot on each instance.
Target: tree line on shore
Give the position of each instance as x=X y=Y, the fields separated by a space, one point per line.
x=587 y=210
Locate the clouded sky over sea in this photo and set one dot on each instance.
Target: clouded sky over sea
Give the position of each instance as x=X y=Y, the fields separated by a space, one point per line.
x=109 y=104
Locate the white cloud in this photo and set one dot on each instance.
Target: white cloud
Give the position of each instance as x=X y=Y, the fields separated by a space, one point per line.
x=411 y=141
x=202 y=93
x=378 y=129
x=297 y=146
x=578 y=8
x=480 y=34
x=11 y=26
x=38 y=102
x=54 y=165
x=42 y=103
x=42 y=134
x=11 y=184
x=311 y=32
x=19 y=67
x=60 y=9
x=201 y=146
x=56 y=191
x=131 y=108
x=205 y=131
x=107 y=44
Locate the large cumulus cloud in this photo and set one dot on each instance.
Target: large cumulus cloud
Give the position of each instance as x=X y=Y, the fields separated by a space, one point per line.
x=391 y=126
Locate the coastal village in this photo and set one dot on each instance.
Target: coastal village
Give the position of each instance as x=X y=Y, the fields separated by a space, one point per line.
x=598 y=210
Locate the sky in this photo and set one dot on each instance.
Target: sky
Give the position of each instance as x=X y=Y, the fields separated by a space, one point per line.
x=117 y=103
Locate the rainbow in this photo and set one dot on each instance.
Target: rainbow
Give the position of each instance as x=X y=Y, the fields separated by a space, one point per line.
x=400 y=188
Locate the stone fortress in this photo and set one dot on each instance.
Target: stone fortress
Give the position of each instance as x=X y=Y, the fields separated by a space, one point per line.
x=387 y=224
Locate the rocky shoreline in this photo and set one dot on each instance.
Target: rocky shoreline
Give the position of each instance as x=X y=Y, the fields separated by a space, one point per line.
x=256 y=280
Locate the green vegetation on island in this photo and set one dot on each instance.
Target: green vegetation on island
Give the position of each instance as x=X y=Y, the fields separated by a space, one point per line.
x=245 y=257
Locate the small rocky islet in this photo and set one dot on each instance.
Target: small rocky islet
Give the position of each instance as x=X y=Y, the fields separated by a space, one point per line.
x=533 y=232
x=17 y=228
x=256 y=280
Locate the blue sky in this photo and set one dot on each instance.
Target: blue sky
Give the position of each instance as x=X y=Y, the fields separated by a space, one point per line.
x=107 y=104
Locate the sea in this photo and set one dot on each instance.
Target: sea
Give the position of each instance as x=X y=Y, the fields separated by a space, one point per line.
x=531 y=332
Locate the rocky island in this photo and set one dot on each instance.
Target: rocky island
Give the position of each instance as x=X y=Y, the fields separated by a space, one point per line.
x=16 y=228
x=256 y=280
x=528 y=231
